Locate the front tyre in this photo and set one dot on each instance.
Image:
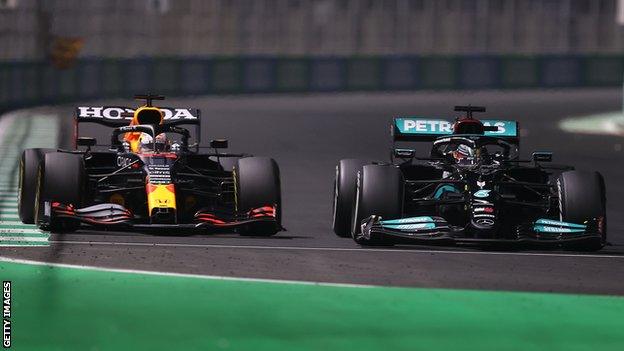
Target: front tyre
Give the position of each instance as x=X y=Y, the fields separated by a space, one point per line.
x=62 y=178
x=258 y=184
x=379 y=192
x=582 y=196
x=27 y=188
x=344 y=195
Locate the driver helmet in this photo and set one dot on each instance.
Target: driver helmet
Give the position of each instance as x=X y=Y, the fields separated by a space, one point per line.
x=159 y=144
x=464 y=155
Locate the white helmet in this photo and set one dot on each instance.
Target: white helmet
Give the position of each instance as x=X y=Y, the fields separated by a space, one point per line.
x=464 y=155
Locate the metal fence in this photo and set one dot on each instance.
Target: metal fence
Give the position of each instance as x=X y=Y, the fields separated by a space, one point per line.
x=34 y=83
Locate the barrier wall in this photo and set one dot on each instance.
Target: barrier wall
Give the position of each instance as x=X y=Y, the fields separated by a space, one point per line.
x=34 y=83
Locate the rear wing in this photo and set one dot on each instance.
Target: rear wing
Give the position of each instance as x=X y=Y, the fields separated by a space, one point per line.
x=428 y=129
x=119 y=116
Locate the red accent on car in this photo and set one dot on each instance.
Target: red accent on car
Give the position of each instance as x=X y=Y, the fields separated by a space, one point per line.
x=161 y=154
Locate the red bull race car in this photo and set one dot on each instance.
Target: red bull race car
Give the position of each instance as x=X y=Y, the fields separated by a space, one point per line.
x=151 y=177
x=471 y=188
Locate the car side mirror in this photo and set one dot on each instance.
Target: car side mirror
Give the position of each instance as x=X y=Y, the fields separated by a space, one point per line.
x=541 y=156
x=86 y=141
x=219 y=144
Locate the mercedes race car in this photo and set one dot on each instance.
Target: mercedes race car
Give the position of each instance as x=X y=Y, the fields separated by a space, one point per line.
x=151 y=177
x=471 y=188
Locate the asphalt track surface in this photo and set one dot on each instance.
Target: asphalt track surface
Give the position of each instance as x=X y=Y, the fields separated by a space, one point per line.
x=307 y=135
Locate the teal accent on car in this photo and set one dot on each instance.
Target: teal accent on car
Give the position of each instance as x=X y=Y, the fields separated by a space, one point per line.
x=482 y=193
x=552 y=222
x=505 y=128
x=444 y=188
x=556 y=230
x=409 y=220
x=412 y=226
x=429 y=126
x=410 y=223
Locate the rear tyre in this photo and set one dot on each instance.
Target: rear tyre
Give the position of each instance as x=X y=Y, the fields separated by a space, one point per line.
x=582 y=197
x=344 y=195
x=258 y=184
x=228 y=163
x=379 y=192
x=62 y=178
x=27 y=188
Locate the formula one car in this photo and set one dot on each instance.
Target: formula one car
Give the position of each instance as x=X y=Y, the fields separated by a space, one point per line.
x=154 y=178
x=472 y=188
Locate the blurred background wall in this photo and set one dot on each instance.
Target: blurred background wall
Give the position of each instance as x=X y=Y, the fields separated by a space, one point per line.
x=55 y=51
x=133 y=28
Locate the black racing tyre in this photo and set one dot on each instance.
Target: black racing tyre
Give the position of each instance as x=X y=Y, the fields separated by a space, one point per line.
x=344 y=195
x=228 y=163
x=379 y=192
x=582 y=196
x=27 y=188
x=258 y=184
x=62 y=178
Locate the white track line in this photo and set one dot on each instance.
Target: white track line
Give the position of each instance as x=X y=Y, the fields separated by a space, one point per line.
x=29 y=245
x=338 y=249
x=8 y=239
x=9 y=215
x=181 y=275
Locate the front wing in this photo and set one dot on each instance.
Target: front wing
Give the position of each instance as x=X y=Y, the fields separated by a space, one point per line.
x=114 y=216
x=430 y=230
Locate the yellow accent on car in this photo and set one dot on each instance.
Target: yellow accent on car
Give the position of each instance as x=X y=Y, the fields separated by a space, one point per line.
x=160 y=196
x=147 y=115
